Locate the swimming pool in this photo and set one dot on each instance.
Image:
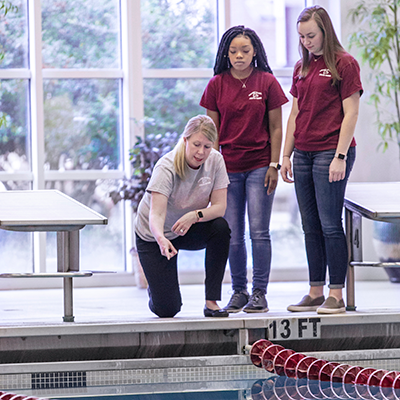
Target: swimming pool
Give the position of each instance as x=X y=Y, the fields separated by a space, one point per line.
x=219 y=377
x=272 y=388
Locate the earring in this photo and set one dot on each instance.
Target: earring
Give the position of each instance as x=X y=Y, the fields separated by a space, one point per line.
x=228 y=62
x=255 y=62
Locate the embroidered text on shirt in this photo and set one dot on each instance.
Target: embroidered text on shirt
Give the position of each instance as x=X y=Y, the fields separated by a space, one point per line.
x=325 y=72
x=255 y=96
x=205 y=180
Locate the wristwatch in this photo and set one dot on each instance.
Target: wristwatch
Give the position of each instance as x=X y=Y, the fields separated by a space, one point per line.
x=341 y=156
x=199 y=215
x=275 y=165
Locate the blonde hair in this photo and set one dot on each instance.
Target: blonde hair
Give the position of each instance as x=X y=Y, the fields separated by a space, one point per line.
x=330 y=47
x=200 y=123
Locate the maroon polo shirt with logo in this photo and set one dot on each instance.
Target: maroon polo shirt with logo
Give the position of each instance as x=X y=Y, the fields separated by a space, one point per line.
x=320 y=104
x=244 y=126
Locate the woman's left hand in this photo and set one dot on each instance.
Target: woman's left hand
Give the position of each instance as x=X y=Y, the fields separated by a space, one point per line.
x=184 y=223
x=271 y=179
x=337 y=170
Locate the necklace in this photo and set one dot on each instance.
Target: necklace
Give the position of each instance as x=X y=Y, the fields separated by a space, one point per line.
x=241 y=81
x=316 y=58
x=244 y=83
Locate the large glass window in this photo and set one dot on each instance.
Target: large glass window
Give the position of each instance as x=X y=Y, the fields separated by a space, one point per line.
x=15 y=252
x=14 y=132
x=82 y=124
x=275 y=23
x=13 y=35
x=94 y=73
x=178 y=34
x=101 y=246
x=80 y=34
x=77 y=129
x=170 y=103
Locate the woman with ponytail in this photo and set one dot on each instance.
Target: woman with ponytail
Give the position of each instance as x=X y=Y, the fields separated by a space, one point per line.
x=183 y=208
x=326 y=91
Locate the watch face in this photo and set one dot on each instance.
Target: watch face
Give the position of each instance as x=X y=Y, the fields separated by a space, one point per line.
x=275 y=165
x=200 y=214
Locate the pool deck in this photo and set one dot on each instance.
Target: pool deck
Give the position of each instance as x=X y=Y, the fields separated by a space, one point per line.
x=116 y=340
x=30 y=314
x=116 y=305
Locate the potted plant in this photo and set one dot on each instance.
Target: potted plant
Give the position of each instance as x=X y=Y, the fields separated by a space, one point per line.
x=378 y=40
x=143 y=156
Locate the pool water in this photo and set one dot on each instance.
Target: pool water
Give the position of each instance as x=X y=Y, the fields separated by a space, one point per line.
x=272 y=388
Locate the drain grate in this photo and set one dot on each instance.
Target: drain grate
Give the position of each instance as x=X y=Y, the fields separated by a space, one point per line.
x=51 y=380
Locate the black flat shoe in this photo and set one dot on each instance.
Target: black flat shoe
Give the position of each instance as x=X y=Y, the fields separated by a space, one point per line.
x=215 y=313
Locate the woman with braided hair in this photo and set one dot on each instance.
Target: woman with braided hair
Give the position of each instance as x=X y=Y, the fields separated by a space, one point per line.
x=244 y=100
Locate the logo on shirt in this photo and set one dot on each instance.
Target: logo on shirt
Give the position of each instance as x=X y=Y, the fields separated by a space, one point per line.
x=255 y=96
x=205 y=180
x=325 y=72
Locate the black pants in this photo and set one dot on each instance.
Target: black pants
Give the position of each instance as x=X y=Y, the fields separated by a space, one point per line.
x=162 y=274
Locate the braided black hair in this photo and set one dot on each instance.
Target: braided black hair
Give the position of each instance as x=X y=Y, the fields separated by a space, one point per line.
x=222 y=61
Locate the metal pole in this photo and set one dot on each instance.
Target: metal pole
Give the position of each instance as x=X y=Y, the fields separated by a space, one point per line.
x=68 y=260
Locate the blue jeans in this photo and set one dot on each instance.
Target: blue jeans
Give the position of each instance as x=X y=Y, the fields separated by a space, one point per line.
x=321 y=209
x=247 y=188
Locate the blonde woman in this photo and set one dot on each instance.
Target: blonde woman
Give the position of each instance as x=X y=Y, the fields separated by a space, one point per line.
x=183 y=208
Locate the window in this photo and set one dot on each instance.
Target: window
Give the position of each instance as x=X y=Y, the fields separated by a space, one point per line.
x=177 y=37
x=73 y=143
x=93 y=75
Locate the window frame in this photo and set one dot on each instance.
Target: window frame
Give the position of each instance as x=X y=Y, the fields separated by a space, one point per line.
x=131 y=76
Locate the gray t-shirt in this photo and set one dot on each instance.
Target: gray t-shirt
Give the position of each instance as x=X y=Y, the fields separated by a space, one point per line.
x=186 y=195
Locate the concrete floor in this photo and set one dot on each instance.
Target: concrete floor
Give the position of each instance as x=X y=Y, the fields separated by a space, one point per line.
x=32 y=319
x=129 y=304
x=91 y=305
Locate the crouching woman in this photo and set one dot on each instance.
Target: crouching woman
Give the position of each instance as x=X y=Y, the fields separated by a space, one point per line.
x=182 y=208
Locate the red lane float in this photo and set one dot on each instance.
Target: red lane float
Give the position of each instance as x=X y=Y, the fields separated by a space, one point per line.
x=268 y=356
x=14 y=396
x=286 y=362
x=289 y=368
x=302 y=367
x=257 y=350
x=280 y=360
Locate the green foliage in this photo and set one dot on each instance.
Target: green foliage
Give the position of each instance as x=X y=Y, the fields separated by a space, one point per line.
x=13 y=104
x=377 y=38
x=80 y=33
x=81 y=124
x=175 y=34
x=82 y=116
x=143 y=157
x=13 y=34
x=5 y=8
x=170 y=103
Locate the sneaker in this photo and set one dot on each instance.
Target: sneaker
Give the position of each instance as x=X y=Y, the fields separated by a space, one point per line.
x=257 y=303
x=332 y=306
x=307 y=303
x=238 y=300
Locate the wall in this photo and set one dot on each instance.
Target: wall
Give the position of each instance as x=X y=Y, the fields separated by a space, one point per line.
x=372 y=165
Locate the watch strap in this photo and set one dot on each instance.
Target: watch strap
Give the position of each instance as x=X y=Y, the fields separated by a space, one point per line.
x=199 y=215
x=275 y=165
x=341 y=156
